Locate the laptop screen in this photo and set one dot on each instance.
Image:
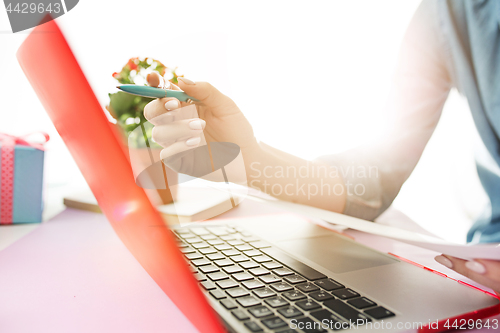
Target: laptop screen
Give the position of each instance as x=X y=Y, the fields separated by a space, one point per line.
x=98 y=150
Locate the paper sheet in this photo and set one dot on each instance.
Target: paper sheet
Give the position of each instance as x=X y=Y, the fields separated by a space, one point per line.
x=481 y=251
x=484 y=251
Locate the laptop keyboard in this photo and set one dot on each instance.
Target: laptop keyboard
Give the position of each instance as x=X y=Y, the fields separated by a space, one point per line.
x=265 y=288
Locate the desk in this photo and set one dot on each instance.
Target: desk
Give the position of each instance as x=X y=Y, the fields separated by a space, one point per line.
x=125 y=305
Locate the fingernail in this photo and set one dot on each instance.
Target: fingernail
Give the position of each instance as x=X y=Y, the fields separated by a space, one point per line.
x=444 y=261
x=193 y=141
x=171 y=105
x=197 y=124
x=475 y=266
x=186 y=81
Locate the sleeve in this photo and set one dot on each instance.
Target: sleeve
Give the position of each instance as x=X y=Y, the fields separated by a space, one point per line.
x=420 y=89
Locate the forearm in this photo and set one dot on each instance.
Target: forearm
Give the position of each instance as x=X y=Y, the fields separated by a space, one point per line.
x=290 y=178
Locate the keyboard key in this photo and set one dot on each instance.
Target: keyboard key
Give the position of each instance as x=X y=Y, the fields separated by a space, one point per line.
x=361 y=303
x=223 y=262
x=229 y=304
x=329 y=285
x=242 y=276
x=345 y=293
x=229 y=253
x=215 y=242
x=260 y=311
x=232 y=269
x=218 y=294
x=188 y=235
x=379 y=313
x=200 y=245
x=248 y=301
x=201 y=262
x=261 y=259
x=260 y=244
x=239 y=258
x=294 y=279
x=294 y=295
x=259 y=271
x=281 y=286
x=235 y=242
x=272 y=265
x=248 y=264
x=223 y=247
x=276 y=302
x=193 y=269
x=228 y=237
x=282 y=271
x=209 y=269
x=321 y=295
x=253 y=253
x=193 y=240
x=289 y=312
x=244 y=247
x=193 y=256
x=289 y=331
x=264 y=292
x=199 y=231
x=240 y=314
x=308 y=305
x=188 y=250
x=208 y=285
x=208 y=250
x=346 y=311
x=199 y=277
x=328 y=316
x=226 y=284
x=253 y=327
x=218 y=231
x=208 y=237
x=307 y=287
x=249 y=239
x=301 y=268
x=237 y=292
x=273 y=323
x=218 y=276
x=314 y=326
x=181 y=231
x=269 y=278
x=215 y=256
x=253 y=284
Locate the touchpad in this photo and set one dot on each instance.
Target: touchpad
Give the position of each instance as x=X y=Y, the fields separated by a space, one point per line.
x=335 y=253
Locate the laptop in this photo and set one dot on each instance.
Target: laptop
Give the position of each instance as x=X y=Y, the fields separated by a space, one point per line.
x=243 y=277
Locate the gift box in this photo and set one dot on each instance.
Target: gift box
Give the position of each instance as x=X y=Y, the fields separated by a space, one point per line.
x=21 y=179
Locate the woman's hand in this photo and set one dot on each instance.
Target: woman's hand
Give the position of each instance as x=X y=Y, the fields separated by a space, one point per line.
x=485 y=272
x=218 y=119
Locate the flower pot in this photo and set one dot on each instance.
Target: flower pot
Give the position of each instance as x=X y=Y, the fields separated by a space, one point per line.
x=152 y=175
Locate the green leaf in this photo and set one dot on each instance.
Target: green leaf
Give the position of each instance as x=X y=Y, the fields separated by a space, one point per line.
x=121 y=103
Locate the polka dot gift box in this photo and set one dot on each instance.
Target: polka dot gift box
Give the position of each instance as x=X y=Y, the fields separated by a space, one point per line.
x=21 y=179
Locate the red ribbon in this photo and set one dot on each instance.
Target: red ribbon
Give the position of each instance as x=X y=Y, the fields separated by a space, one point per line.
x=7 y=169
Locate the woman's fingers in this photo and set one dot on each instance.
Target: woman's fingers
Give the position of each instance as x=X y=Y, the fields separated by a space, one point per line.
x=485 y=272
x=180 y=146
x=155 y=80
x=158 y=107
x=182 y=130
x=209 y=96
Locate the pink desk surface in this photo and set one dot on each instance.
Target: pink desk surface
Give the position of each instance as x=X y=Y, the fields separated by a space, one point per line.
x=72 y=274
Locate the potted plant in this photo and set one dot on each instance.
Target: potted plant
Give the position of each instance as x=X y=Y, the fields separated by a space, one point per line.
x=128 y=109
